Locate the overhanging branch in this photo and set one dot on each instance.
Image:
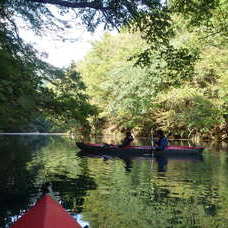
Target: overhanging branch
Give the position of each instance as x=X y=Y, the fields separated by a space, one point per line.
x=94 y=4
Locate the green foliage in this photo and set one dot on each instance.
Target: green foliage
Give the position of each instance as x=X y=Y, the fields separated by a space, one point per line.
x=208 y=15
x=114 y=84
x=109 y=13
x=123 y=91
x=18 y=87
x=184 y=46
x=25 y=95
x=180 y=88
x=187 y=108
x=223 y=83
x=196 y=12
x=106 y=55
x=69 y=104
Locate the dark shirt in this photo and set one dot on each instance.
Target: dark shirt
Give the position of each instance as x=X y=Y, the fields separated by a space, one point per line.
x=162 y=144
x=127 y=141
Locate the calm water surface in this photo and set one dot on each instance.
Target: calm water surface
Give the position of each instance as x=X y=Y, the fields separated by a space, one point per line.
x=109 y=193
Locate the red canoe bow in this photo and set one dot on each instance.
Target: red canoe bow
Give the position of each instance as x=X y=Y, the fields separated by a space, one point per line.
x=46 y=213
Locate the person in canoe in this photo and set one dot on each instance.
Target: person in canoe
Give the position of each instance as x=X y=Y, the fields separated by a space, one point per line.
x=128 y=139
x=162 y=142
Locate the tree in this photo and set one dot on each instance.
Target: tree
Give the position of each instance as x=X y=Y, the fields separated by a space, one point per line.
x=70 y=104
x=154 y=20
x=23 y=76
x=124 y=92
x=25 y=95
x=113 y=13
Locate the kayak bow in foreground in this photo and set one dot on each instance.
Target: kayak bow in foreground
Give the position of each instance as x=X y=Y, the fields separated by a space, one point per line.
x=46 y=213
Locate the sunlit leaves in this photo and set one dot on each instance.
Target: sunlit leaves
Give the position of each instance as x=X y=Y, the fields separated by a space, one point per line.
x=124 y=91
x=188 y=108
x=197 y=12
x=176 y=91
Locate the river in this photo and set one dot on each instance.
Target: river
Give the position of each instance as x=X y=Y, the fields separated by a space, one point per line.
x=111 y=193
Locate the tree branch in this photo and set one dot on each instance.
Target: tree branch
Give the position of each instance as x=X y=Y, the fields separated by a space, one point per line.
x=96 y=4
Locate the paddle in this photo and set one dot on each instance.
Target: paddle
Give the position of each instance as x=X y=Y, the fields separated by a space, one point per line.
x=152 y=144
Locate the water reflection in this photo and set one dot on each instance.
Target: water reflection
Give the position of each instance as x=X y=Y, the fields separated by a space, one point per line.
x=15 y=179
x=28 y=162
x=115 y=192
x=162 y=162
x=128 y=163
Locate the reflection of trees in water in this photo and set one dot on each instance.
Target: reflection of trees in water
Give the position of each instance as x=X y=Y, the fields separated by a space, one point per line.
x=27 y=163
x=144 y=198
x=109 y=195
x=73 y=191
x=57 y=159
x=162 y=162
x=16 y=182
x=57 y=163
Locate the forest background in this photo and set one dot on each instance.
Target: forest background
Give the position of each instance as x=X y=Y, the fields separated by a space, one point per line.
x=166 y=68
